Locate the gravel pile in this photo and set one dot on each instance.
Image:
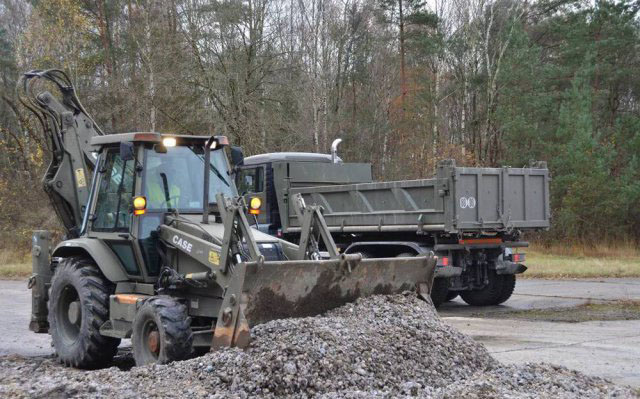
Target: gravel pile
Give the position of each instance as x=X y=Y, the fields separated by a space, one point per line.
x=378 y=347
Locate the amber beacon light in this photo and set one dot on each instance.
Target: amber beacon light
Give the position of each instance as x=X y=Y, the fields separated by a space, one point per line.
x=139 y=205
x=254 y=206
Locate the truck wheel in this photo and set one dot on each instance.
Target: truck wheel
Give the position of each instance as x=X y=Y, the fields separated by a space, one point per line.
x=439 y=291
x=78 y=306
x=440 y=288
x=161 y=332
x=451 y=295
x=508 y=285
x=489 y=295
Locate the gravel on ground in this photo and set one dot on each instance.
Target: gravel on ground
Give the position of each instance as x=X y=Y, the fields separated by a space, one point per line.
x=377 y=347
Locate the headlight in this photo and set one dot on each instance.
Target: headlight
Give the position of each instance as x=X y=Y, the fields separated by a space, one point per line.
x=169 y=142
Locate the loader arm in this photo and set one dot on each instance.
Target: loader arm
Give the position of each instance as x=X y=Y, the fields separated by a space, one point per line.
x=68 y=130
x=256 y=291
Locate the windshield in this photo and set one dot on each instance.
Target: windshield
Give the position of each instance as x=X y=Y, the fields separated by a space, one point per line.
x=175 y=179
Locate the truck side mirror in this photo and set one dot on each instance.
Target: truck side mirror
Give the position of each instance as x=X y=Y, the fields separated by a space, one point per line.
x=126 y=151
x=237 y=156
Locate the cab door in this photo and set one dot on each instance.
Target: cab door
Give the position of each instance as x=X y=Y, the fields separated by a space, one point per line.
x=250 y=181
x=112 y=216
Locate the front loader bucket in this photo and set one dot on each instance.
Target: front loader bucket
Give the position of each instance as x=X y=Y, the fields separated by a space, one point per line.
x=275 y=290
x=257 y=291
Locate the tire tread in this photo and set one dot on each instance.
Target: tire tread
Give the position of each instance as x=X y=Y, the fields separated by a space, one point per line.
x=96 y=350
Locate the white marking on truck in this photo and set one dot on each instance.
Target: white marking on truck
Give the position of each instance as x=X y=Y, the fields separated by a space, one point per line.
x=467 y=202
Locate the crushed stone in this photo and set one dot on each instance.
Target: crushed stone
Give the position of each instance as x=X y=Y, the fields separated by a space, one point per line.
x=378 y=347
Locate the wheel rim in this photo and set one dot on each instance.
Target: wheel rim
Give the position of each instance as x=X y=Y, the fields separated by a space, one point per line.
x=151 y=340
x=69 y=314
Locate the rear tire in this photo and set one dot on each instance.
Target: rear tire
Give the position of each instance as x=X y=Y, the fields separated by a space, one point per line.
x=161 y=332
x=508 y=285
x=439 y=291
x=487 y=296
x=78 y=307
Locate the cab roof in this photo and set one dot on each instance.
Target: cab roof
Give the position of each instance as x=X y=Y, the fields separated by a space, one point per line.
x=288 y=157
x=147 y=137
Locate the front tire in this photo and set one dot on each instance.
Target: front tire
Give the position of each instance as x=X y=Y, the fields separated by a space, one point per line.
x=161 y=332
x=451 y=295
x=439 y=291
x=78 y=307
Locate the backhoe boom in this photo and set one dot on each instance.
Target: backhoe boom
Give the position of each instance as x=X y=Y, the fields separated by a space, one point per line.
x=69 y=129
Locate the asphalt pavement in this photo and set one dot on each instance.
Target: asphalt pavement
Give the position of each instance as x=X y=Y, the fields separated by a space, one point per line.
x=609 y=349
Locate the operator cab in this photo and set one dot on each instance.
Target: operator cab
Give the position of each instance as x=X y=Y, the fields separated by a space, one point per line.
x=149 y=175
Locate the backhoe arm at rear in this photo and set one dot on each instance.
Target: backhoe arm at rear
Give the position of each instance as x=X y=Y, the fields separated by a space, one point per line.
x=68 y=129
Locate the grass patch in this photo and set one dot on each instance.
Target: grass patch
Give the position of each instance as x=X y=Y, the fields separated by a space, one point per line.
x=544 y=263
x=605 y=249
x=15 y=271
x=607 y=311
x=14 y=264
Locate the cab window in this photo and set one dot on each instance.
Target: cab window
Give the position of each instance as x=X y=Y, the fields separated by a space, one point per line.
x=175 y=179
x=114 y=194
x=251 y=180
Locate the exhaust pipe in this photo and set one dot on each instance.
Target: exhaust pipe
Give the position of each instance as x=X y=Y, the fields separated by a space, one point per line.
x=334 y=150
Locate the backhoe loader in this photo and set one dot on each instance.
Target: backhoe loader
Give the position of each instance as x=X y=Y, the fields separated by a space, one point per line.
x=158 y=247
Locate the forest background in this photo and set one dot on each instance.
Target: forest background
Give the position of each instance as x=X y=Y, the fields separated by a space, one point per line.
x=405 y=83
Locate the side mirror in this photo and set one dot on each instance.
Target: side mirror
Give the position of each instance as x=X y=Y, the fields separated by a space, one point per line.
x=126 y=151
x=237 y=156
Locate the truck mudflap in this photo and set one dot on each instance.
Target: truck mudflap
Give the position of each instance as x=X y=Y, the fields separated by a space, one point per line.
x=508 y=267
x=276 y=290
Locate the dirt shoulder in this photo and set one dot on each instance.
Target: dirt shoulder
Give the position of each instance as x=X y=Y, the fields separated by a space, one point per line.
x=606 y=311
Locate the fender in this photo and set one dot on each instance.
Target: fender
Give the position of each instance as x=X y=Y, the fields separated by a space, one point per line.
x=102 y=255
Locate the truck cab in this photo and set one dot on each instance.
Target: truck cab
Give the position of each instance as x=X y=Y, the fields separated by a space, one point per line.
x=268 y=177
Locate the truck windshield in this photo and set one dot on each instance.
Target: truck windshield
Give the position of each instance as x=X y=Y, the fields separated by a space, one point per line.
x=175 y=179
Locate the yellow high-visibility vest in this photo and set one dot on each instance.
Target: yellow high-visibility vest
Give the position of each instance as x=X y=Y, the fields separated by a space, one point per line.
x=156 y=196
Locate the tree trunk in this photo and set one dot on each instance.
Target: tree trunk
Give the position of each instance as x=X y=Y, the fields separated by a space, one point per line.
x=403 y=72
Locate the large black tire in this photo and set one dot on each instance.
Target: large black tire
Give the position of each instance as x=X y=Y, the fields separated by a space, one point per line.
x=451 y=295
x=439 y=291
x=508 y=285
x=487 y=296
x=440 y=288
x=78 y=306
x=161 y=332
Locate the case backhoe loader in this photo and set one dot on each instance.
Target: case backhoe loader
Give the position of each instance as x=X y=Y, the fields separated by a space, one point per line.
x=158 y=247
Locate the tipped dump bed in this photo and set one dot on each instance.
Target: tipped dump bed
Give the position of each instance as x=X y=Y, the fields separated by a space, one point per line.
x=457 y=199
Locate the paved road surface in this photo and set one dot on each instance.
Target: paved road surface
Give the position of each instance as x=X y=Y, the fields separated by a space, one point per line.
x=15 y=313
x=610 y=349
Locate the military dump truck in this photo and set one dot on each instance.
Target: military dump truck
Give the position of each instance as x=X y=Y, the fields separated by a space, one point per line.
x=158 y=248
x=471 y=218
